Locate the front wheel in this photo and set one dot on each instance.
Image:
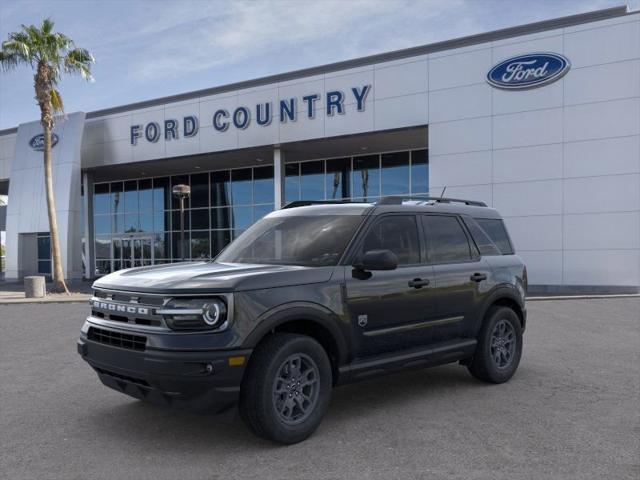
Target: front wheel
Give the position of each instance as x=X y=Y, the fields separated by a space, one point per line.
x=499 y=346
x=287 y=388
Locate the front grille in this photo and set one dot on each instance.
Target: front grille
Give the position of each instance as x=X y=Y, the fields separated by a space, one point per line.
x=117 y=339
x=132 y=308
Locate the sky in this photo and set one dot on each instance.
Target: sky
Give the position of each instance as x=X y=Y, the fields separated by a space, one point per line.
x=150 y=49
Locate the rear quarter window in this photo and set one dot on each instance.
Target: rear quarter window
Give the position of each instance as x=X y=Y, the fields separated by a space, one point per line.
x=497 y=232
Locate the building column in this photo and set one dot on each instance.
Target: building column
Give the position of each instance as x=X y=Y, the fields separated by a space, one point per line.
x=278 y=178
x=87 y=221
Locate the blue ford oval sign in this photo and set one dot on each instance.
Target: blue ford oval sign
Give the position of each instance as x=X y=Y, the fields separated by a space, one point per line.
x=37 y=142
x=528 y=71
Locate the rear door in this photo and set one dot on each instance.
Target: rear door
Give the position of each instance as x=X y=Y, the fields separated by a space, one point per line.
x=461 y=276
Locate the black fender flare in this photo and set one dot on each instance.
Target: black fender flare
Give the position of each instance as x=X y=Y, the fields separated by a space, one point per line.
x=305 y=311
x=498 y=293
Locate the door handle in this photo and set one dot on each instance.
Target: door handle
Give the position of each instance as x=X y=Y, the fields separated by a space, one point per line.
x=418 y=283
x=478 y=277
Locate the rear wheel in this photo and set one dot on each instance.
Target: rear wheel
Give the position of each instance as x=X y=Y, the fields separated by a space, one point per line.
x=287 y=388
x=499 y=346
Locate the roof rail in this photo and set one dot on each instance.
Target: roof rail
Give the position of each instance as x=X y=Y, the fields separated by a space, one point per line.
x=398 y=199
x=306 y=203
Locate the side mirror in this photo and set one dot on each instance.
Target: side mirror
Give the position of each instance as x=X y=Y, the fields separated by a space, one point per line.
x=377 y=260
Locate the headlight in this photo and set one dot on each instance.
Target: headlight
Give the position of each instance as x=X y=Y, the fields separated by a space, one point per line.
x=195 y=314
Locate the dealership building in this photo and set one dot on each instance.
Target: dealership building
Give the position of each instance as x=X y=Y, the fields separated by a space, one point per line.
x=541 y=121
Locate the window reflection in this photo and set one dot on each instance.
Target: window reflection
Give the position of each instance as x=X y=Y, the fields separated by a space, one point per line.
x=225 y=203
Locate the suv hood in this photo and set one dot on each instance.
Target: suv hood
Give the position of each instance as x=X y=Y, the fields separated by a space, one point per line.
x=201 y=277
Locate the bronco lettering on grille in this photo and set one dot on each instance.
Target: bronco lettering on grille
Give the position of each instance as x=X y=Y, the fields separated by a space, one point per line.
x=117 y=307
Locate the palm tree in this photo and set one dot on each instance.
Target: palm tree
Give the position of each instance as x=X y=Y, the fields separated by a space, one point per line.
x=50 y=55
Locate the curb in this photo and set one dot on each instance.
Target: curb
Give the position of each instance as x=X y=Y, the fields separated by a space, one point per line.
x=71 y=299
x=582 y=297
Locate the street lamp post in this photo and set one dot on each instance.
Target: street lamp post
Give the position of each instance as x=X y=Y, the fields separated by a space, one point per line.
x=182 y=192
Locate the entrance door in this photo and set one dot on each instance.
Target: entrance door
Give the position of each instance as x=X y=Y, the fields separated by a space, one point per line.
x=131 y=252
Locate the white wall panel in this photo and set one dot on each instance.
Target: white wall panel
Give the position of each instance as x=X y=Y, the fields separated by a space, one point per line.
x=608 y=156
x=602 y=231
x=602 y=82
x=472 y=168
x=615 y=193
x=351 y=122
x=459 y=103
x=345 y=82
x=602 y=267
x=456 y=70
x=539 y=162
x=212 y=140
x=601 y=120
x=398 y=112
x=303 y=129
x=521 y=228
x=527 y=128
x=528 y=198
x=403 y=79
x=548 y=41
x=549 y=96
x=543 y=267
x=603 y=45
x=460 y=136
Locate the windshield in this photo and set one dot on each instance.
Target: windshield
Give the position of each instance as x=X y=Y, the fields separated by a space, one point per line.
x=314 y=240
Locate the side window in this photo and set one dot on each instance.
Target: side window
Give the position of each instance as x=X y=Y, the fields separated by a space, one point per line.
x=484 y=243
x=497 y=232
x=446 y=240
x=398 y=233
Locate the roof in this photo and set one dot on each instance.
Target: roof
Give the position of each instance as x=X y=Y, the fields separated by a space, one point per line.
x=371 y=59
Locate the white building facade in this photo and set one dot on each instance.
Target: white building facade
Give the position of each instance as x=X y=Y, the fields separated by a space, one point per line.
x=555 y=147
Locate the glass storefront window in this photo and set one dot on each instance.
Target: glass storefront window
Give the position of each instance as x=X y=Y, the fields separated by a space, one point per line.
x=101 y=199
x=200 y=245
x=292 y=182
x=200 y=219
x=241 y=187
x=220 y=218
x=220 y=189
x=161 y=194
x=311 y=180
x=263 y=185
x=242 y=217
x=395 y=173
x=200 y=190
x=224 y=203
x=337 y=179
x=366 y=178
x=420 y=171
x=145 y=195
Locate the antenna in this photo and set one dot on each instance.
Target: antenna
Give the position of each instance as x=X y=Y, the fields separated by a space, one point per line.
x=443 y=190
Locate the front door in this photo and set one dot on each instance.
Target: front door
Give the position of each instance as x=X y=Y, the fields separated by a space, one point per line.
x=132 y=251
x=389 y=310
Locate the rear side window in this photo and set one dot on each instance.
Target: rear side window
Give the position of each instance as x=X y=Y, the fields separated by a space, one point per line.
x=396 y=233
x=494 y=227
x=484 y=243
x=446 y=240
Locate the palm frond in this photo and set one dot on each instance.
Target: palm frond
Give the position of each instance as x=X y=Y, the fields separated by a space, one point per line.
x=56 y=101
x=79 y=61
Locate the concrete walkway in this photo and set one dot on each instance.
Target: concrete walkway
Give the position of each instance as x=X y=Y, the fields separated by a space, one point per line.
x=14 y=293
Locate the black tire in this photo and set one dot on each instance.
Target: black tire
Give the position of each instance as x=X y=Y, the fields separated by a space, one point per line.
x=494 y=360
x=263 y=405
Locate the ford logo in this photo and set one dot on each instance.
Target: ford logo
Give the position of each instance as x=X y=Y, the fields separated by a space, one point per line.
x=37 y=142
x=528 y=71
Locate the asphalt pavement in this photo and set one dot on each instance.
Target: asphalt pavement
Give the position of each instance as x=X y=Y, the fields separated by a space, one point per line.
x=571 y=412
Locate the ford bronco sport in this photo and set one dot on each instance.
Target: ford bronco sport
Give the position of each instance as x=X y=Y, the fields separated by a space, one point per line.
x=312 y=296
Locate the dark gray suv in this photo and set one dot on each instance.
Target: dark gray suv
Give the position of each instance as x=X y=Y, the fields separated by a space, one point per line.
x=312 y=296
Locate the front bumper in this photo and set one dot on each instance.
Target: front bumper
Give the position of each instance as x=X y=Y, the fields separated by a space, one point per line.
x=195 y=380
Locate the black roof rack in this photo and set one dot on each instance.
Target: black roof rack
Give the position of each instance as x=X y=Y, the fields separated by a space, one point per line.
x=398 y=199
x=306 y=203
